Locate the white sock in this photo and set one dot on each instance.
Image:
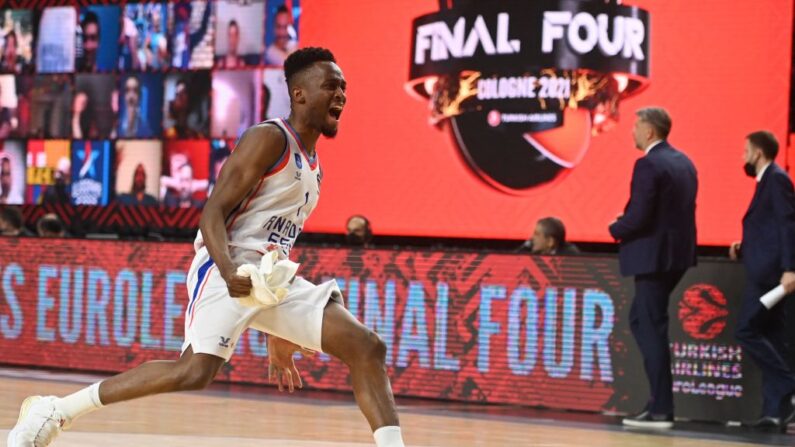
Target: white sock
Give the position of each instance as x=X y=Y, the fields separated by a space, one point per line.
x=388 y=436
x=80 y=403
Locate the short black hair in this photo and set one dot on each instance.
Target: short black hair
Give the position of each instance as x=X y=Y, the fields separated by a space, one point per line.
x=51 y=224
x=12 y=215
x=282 y=10
x=90 y=17
x=765 y=141
x=303 y=59
x=554 y=228
x=232 y=23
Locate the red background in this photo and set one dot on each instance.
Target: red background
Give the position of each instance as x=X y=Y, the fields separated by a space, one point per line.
x=722 y=69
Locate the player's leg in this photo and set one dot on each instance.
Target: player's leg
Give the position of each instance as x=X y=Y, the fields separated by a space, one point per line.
x=42 y=418
x=190 y=372
x=314 y=317
x=214 y=323
x=364 y=352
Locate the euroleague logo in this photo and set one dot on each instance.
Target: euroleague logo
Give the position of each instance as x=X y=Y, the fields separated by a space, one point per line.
x=703 y=311
x=523 y=86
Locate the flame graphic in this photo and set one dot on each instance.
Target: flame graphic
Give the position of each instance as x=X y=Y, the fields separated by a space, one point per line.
x=449 y=94
x=599 y=93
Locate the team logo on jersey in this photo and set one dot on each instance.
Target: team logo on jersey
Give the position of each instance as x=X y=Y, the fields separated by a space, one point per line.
x=224 y=343
x=298 y=161
x=523 y=86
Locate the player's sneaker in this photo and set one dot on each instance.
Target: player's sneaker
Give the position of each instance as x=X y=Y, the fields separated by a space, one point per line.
x=39 y=423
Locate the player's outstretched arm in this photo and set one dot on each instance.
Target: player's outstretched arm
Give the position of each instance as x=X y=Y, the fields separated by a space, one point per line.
x=258 y=149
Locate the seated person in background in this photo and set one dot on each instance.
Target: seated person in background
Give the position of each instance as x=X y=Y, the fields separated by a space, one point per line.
x=9 y=59
x=188 y=119
x=58 y=192
x=50 y=226
x=132 y=123
x=549 y=238
x=11 y=222
x=283 y=38
x=6 y=183
x=91 y=34
x=177 y=190
x=6 y=121
x=138 y=195
x=232 y=59
x=358 y=231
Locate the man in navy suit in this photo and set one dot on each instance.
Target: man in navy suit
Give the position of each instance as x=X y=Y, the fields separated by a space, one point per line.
x=657 y=235
x=768 y=252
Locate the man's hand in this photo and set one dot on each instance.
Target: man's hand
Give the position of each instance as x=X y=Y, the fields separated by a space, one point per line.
x=734 y=250
x=282 y=367
x=788 y=281
x=238 y=286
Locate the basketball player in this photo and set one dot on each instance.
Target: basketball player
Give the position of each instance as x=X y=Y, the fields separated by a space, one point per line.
x=265 y=192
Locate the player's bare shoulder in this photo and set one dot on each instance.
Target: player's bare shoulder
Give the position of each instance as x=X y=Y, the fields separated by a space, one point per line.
x=262 y=144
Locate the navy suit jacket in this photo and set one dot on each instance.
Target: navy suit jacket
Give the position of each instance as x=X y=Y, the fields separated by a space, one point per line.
x=768 y=247
x=657 y=232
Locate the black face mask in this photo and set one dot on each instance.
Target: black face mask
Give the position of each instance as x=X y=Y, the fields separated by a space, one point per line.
x=354 y=239
x=750 y=170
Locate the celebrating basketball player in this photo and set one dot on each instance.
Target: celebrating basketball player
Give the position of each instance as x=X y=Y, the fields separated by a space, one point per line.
x=264 y=194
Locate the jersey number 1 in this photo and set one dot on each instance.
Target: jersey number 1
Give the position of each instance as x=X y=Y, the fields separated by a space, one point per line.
x=306 y=200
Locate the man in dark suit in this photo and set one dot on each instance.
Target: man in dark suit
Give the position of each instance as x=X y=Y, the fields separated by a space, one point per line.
x=657 y=235
x=768 y=252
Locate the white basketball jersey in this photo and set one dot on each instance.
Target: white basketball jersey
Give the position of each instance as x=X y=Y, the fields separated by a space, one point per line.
x=272 y=215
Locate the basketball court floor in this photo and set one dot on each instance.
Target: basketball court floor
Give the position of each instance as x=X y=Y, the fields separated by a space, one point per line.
x=248 y=416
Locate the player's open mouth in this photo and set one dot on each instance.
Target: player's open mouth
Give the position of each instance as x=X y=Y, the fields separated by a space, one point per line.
x=335 y=112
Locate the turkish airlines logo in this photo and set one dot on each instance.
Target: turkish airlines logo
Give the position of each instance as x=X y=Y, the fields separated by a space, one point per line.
x=523 y=86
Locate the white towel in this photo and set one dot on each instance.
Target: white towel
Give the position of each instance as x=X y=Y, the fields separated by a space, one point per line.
x=772 y=297
x=270 y=281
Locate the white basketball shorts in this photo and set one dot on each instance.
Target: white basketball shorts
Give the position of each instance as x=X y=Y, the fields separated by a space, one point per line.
x=214 y=321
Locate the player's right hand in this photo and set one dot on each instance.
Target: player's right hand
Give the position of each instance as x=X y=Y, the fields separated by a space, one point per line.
x=238 y=286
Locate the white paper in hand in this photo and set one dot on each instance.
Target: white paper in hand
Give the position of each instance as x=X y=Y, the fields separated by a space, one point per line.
x=270 y=281
x=772 y=297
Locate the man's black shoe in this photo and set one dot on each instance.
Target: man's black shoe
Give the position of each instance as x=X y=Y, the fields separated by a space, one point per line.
x=648 y=420
x=767 y=423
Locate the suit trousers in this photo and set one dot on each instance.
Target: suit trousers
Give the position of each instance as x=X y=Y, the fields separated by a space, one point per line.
x=761 y=332
x=648 y=320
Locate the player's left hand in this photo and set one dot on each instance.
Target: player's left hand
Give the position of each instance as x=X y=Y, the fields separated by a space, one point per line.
x=282 y=366
x=788 y=281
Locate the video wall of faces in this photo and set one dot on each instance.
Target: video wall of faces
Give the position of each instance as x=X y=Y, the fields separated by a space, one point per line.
x=139 y=103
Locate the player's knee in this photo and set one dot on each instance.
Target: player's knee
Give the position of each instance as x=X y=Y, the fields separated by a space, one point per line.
x=372 y=347
x=194 y=378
